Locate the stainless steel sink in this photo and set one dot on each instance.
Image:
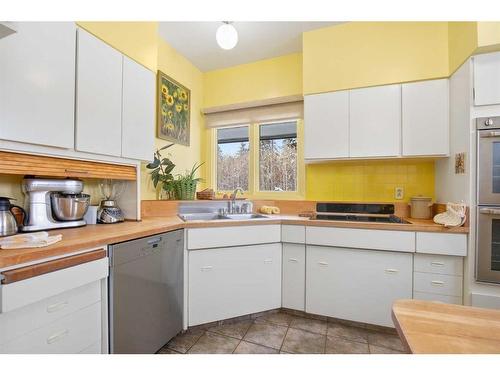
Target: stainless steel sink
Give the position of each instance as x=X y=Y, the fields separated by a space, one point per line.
x=209 y=216
x=246 y=216
x=203 y=216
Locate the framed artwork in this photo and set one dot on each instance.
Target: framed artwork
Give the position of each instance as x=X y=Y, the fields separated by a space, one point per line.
x=174 y=109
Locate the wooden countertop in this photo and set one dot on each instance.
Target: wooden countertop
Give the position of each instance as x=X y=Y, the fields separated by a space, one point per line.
x=439 y=328
x=91 y=236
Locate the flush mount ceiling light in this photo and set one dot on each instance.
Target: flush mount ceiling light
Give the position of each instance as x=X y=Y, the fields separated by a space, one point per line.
x=226 y=36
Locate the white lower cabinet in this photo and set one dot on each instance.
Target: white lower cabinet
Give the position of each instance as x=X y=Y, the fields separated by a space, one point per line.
x=357 y=285
x=294 y=276
x=233 y=281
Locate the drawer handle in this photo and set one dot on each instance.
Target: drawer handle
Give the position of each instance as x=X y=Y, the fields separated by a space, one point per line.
x=437 y=264
x=57 y=306
x=391 y=270
x=76 y=171
x=294 y=260
x=206 y=268
x=268 y=261
x=323 y=263
x=57 y=336
x=437 y=282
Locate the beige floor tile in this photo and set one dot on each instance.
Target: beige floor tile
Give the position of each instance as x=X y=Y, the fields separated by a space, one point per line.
x=339 y=345
x=298 y=341
x=233 y=329
x=386 y=340
x=347 y=332
x=381 y=350
x=245 y=347
x=183 y=342
x=266 y=334
x=212 y=343
x=310 y=325
x=279 y=318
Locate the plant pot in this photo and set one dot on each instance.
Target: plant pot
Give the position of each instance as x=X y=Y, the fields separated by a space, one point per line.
x=184 y=191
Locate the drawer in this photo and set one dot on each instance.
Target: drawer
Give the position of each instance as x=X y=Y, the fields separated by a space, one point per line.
x=293 y=233
x=442 y=264
x=28 y=318
x=361 y=238
x=442 y=243
x=16 y=295
x=95 y=348
x=437 y=284
x=205 y=238
x=71 y=334
x=437 y=297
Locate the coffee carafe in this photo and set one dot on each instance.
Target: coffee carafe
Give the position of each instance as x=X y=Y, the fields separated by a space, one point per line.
x=8 y=223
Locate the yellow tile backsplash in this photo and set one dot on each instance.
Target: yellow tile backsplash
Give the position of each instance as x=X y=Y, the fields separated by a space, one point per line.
x=369 y=180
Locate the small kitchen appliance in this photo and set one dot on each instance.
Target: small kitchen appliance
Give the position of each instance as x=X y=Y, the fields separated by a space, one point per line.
x=8 y=223
x=421 y=207
x=109 y=212
x=53 y=203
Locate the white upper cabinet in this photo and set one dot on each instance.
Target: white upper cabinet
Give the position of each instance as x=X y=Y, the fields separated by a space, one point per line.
x=138 y=114
x=37 y=84
x=487 y=79
x=425 y=114
x=99 y=97
x=326 y=125
x=375 y=121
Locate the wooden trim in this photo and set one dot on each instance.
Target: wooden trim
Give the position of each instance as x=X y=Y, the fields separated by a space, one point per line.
x=27 y=272
x=48 y=166
x=253 y=104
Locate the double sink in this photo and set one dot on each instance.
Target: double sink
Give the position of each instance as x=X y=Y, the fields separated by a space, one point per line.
x=215 y=216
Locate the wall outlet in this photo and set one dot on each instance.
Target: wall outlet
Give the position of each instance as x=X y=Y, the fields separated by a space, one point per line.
x=399 y=193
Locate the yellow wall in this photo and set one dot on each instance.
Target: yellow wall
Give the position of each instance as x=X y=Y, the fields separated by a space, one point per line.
x=271 y=78
x=462 y=42
x=488 y=36
x=141 y=42
x=371 y=180
x=361 y=54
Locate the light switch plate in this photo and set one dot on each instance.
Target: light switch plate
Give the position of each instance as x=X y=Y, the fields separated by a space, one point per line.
x=399 y=193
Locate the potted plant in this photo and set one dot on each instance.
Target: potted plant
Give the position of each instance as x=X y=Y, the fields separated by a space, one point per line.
x=161 y=172
x=185 y=184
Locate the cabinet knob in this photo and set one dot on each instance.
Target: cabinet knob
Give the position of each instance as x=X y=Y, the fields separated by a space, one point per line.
x=267 y=261
x=57 y=306
x=391 y=270
x=323 y=263
x=294 y=260
x=57 y=336
x=437 y=264
x=206 y=268
x=437 y=282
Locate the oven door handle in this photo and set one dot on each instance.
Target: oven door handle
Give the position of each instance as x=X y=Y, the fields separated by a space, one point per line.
x=490 y=134
x=489 y=211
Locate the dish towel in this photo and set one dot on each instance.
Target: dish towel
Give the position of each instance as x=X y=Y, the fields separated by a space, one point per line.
x=269 y=210
x=19 y=241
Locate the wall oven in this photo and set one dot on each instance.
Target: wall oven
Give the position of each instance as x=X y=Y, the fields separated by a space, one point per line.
x=488 y=200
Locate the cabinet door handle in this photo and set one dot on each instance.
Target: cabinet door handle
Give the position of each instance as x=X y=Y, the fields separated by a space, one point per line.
x=437 y=264
x=294 y=260
x=206 y=268
x=76 y=171
x=57 y=306
x=391 y=270
x=437 y=282
x=323 y=263
x=57 y=336
x=268 y=261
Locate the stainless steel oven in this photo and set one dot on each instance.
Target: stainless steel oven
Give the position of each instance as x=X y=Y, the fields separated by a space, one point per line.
x=488 y=200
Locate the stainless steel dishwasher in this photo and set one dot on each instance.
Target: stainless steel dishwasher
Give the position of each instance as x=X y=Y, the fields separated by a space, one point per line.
x=145 y=292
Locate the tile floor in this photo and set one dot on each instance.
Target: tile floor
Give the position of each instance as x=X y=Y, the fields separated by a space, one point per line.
x=282 y=332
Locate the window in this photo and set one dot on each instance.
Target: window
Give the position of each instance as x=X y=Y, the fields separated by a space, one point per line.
x=233 y=158
x=278 y=156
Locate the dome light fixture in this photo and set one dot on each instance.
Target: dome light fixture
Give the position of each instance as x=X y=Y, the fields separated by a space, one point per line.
x=226 y=35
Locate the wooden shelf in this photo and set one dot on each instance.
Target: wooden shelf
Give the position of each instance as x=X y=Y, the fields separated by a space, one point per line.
x=12 y=163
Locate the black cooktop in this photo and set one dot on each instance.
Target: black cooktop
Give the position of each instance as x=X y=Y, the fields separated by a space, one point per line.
x=362 y=218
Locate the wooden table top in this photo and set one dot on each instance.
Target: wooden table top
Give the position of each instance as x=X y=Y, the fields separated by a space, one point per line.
x=440 y=328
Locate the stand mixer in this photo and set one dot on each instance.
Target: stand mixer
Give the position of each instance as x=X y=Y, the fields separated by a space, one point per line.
x=53 y=203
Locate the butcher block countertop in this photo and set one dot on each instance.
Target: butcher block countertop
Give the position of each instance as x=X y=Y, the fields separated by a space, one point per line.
x=439 y=328
x=92 y=236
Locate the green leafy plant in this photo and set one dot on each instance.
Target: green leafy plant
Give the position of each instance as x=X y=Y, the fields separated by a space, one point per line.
x=161 y=171
x=185 y=184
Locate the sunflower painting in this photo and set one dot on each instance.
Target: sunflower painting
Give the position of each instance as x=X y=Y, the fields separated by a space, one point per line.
x=173 y=110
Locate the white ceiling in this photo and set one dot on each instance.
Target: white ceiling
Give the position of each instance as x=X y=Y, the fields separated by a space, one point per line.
x=256 y=41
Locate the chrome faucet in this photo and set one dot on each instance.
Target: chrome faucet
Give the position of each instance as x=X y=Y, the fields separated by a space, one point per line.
x=232 y=208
